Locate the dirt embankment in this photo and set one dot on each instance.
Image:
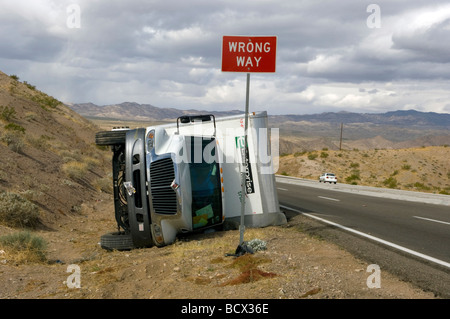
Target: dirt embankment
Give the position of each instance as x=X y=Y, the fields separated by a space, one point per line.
x=293 y=265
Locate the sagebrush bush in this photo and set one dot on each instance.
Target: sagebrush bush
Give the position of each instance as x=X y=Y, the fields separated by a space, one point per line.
x=75 y=170
x=104 y=184
x=17 y=211
x=40 y=143
x=14 y=141
x=24 y=247
x=7 y=113
x=390 y=182
x=353 y=178
x=45 y=101
x=31 y=87
x=296 y=154
x=15 y=127
x=91 y=162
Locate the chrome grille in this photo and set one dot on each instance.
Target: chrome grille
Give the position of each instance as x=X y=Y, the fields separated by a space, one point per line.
x=164 y=198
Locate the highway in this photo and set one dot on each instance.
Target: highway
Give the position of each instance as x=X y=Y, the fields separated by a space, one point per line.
x=408 y=223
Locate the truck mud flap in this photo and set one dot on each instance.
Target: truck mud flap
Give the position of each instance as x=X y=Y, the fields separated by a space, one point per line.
x=135 y=184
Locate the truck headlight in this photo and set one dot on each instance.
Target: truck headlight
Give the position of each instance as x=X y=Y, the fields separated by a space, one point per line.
x=150 y=140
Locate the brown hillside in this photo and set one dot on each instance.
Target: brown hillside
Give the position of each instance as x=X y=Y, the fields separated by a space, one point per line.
x=424 y=169
x=47 y=151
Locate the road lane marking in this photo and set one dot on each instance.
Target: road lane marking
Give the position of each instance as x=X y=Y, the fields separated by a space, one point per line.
x=382 y=241
x=329 y=198
x=432 y=220
x=282 y=189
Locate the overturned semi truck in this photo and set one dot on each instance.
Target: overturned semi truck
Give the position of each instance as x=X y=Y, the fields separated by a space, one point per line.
x=186 y=177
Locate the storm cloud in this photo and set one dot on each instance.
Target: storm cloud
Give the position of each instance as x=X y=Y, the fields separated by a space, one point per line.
x=352 y=55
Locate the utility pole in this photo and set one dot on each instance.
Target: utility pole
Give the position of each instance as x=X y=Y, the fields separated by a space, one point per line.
x=340 y=143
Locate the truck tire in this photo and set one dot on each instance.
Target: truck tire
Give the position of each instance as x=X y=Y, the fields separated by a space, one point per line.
x=116 y=241
x=110 y=137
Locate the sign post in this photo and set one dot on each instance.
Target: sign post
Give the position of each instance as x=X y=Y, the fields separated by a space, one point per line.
x=243 y=173
x=247 y=54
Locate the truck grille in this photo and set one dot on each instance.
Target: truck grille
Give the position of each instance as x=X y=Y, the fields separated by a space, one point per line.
x=164 y=197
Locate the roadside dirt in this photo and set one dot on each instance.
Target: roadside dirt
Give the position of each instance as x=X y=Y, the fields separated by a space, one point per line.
x=294 y=265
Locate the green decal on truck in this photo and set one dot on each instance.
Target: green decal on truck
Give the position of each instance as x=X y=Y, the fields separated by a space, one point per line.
x=240 y=142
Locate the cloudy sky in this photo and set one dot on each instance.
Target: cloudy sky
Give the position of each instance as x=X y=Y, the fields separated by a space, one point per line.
x=350 y=55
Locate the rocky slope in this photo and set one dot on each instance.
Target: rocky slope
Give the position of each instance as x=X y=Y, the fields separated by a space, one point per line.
x=47 y=151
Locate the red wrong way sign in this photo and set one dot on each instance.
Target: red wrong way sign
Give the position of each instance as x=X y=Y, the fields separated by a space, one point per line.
x=249 y=54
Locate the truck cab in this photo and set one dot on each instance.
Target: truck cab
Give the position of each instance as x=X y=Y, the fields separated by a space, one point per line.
x=172 y=178
x=163 y=184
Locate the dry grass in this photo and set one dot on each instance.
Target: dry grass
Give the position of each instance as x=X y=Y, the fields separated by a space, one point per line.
x=75 y=170
x=231 y=270
x=104 y=185
x=22 y=248
x=17 y=211
x=423 y=169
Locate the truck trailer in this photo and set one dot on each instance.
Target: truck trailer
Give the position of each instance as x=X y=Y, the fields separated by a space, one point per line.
x=186 y=177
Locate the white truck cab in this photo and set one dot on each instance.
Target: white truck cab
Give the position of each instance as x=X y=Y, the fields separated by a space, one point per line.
x=186 y=177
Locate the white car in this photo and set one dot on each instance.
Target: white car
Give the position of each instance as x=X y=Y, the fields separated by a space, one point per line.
x=328 y=177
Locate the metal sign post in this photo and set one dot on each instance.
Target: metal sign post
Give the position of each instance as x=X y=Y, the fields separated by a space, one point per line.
x=243 y=173
x=247 y=54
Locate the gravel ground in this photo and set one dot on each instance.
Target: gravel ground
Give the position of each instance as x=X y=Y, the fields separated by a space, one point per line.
x=294 y=265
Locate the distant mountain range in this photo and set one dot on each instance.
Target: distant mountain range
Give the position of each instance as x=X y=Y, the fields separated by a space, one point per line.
x=397 y=118
x=131 y=111
x=397 y=129
x=146 y=112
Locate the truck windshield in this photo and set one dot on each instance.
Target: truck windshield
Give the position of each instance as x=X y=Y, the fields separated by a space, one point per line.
x=206 y=186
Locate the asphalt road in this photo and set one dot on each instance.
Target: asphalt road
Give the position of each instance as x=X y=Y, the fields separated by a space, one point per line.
x=381 y=225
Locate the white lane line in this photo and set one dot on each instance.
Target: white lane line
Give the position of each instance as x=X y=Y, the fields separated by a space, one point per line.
x=382 y=241
x=329 y=198
x=282 y=189
x=432 y=220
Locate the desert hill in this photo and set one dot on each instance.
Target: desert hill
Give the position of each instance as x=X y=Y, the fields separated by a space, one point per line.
x=391 y=130
x=293 y=143
x=47 y=153
x=422 y=169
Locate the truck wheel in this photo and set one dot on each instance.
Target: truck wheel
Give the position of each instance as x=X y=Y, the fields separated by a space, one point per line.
x=110 y=137
x=116 y=241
